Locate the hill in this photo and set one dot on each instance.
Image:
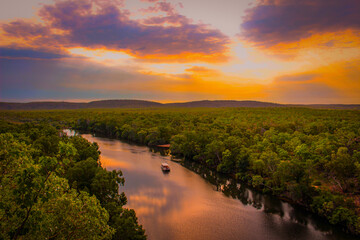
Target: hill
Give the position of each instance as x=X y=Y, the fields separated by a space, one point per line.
x=224 y=103
x=72 y=105
x=127 y=103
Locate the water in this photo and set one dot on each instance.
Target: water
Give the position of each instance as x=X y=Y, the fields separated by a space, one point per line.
x=184 y=205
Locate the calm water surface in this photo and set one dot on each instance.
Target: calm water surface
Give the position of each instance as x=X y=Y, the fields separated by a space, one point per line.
x=184 y=205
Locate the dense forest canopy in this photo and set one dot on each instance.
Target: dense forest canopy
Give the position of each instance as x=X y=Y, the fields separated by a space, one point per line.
x=307 y=156
x=53 y=187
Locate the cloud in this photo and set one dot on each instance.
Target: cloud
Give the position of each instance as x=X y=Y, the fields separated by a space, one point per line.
x=197 y=69
x=273 y=22
x=29 y=53
x=297 y=78
x=175 y=20
x=150 y=1
x=20 y=28
x=69 y=78
x=160 y=6
x=307 y=93
x=334 y=83
x=101 y=24
x=209 y=83
x=79 y=78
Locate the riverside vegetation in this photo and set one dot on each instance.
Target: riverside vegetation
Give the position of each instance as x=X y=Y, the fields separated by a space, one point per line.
x=54 y=187
x=306 y=156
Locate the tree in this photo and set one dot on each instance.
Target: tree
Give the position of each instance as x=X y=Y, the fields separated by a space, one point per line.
x=342 y=169
x=82 y=174
x=214 y=152
x=85 y=149
x=227 y=163
x=37 y=203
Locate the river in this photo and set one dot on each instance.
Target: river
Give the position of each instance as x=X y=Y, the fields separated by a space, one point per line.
x=187 y=205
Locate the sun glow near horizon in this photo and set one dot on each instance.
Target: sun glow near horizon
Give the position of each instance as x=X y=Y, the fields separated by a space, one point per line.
x=160 y=50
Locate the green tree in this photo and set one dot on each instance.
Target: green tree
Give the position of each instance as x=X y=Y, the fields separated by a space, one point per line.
x=343 y=169
x=36 y=202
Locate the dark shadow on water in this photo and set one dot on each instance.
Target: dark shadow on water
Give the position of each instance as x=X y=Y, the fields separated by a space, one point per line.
x=266 y=203
x=280 y=216
x=161 y=150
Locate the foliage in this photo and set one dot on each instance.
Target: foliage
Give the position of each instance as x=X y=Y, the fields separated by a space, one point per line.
x=309 y=156
x=58 y=190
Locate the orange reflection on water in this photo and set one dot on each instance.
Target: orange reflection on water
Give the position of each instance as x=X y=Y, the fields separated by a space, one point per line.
x=144 y=211
x=181 y=205
x=149 y=200
x=109 y=162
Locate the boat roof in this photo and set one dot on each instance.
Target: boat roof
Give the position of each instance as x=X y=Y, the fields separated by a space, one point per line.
x=164 y=164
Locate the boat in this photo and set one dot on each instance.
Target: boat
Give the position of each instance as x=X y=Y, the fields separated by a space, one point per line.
x=165 y=167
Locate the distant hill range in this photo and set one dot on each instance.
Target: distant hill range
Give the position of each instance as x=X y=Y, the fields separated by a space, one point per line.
x=150 y=104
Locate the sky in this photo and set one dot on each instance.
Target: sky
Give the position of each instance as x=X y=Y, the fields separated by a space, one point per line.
x=284 y=51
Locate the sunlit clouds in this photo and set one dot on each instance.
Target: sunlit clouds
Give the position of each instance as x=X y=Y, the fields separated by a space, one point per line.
x=102 y=24
x=282 y=51
x=273 y=22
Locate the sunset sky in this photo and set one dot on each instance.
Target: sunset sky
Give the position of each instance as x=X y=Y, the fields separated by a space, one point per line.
x=285 y=51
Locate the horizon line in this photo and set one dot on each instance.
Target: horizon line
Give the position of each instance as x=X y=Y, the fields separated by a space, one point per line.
x=85 y=101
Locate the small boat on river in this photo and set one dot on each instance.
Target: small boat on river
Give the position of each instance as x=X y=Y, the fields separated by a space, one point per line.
x=165 y=167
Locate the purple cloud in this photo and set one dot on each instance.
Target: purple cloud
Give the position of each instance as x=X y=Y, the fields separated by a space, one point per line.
x=24 y=29
x=29 y=53
x=78 y=25
x=76 y=78
x=276 y=21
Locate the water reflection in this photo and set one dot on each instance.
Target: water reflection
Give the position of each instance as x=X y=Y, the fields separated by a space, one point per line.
x=191 y=202
x=268 y=204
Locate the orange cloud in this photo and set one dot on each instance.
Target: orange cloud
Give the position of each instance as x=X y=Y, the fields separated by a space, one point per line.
x=184 y=57
x=197 y=69
x=348 y=39
x=101 y=24
x=328 y=84
x=343 y=76
x=208 y=82
x=283 y=27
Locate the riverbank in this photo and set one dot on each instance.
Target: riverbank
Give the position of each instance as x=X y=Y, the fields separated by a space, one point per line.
x=307 y=155
x=193 y=202
x=212 y=174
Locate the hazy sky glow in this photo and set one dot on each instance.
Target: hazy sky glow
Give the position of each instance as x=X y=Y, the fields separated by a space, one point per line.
x=285 y=51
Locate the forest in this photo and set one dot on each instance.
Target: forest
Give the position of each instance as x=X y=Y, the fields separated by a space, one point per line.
x=309 y=157
x=54 y=187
